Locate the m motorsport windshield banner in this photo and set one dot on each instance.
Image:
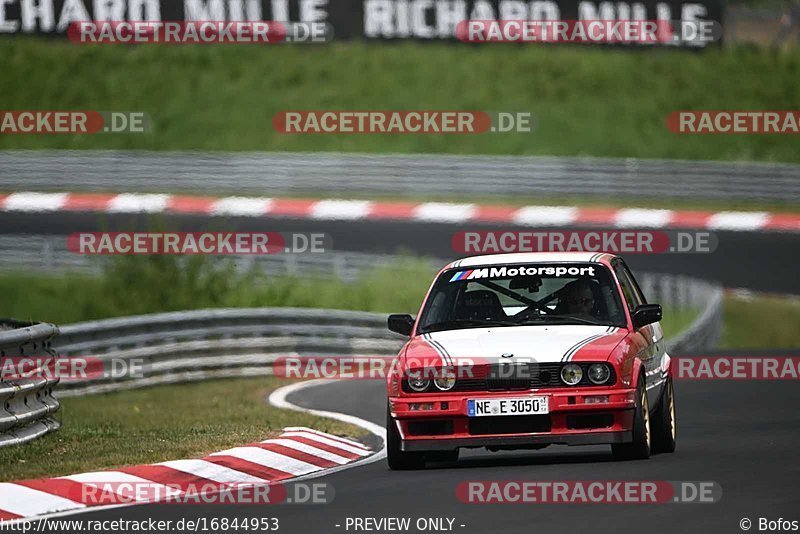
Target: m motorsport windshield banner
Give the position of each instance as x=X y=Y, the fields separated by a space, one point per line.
x=424 y=20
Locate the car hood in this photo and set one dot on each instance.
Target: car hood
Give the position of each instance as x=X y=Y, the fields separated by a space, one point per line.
x=540 y=343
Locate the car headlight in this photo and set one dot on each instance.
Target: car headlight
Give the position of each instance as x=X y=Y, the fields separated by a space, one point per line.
x=571 y=374
x=599 y=373
x=419 y=383
x=445 y=382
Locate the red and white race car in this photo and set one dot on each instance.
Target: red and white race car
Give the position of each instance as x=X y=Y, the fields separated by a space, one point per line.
x=516 y=351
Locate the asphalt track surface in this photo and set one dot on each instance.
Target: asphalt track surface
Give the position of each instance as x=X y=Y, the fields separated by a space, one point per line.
x=742 y=435
x=762 y=261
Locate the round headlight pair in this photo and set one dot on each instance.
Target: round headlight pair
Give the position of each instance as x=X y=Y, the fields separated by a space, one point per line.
x=446 y=382
x=572 y=374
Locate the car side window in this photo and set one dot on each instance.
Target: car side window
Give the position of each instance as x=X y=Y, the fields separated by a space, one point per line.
x=629 y=290
x=439 y=307
x=637 y=291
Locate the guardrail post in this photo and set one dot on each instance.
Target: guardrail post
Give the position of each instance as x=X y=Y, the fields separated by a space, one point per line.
x=26 y=400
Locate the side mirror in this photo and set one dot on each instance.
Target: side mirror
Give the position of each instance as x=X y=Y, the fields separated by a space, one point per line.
x=402 y=323
x=645 y=314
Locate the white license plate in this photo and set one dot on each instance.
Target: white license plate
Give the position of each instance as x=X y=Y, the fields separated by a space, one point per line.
x=509 y=406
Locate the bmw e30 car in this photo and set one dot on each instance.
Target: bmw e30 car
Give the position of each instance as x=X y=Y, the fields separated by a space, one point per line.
x=521 y=351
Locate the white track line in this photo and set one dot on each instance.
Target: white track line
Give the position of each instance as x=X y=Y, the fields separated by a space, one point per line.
x=324 y=435
x=327 y=441
x=215 y=472
x=26 y=201
x=123 y=484
x=247 y=206
x=340 y=209
x=308 y=449
x=275 y=460
x=737 y=220
x=21 y=500
x=643 y=218
x=278 y=399
x=443 y=212
x=545 y=215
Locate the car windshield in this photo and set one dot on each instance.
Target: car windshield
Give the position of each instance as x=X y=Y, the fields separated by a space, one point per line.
x=525 y=294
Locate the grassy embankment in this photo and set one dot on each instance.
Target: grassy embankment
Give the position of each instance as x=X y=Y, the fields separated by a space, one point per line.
x=587 y=100
x=133 y=427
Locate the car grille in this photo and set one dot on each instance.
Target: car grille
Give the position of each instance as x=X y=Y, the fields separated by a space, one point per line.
x=516 y=377
x=509 y=377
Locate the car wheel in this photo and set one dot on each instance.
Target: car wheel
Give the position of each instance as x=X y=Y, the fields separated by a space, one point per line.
x=664 y=421
x=399 y=460
x=639 y=448
x=442 y=456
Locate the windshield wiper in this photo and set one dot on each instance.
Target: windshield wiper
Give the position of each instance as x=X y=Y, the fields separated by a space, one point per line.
x=467 y=323
x=582 y=320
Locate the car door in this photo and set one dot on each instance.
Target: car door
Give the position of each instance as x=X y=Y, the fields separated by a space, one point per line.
x=649 y=338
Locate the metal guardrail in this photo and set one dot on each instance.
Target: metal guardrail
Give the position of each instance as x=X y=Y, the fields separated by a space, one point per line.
x=706 y=330
x=220 y=343
x=49 y=254
x=27 y=404
x=680 y=293
x=275 y=174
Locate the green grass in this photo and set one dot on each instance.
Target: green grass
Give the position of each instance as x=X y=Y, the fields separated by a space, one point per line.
x=136 y=285
x=675 y=321
x=132 y=427
x=588 y=101
x=761 y=323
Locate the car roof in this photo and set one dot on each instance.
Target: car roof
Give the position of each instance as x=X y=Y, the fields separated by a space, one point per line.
x=533 y=257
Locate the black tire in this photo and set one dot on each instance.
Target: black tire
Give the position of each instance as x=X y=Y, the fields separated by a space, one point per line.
x=399 y=460
x=442 y=456
x=639 y=448
x=664 y=422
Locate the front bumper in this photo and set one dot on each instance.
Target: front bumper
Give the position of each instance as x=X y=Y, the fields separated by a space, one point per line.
x=572 y=420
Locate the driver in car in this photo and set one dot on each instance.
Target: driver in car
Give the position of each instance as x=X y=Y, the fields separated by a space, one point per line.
x=579 y=299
